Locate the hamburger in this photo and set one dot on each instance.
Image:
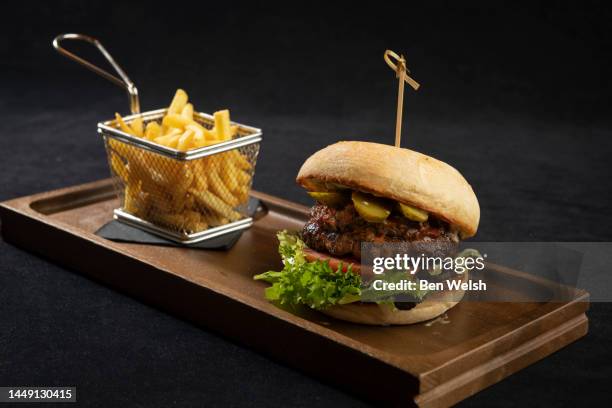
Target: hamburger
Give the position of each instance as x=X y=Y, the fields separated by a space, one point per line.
x=373 y=193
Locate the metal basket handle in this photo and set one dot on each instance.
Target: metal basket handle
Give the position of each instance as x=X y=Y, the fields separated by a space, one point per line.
x=124 y=82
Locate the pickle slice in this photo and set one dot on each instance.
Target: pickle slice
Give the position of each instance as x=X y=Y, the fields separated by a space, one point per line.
x=413 y=213
x=370 y=208
x=331 y=199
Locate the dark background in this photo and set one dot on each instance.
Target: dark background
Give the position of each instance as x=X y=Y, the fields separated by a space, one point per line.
x=517 y=97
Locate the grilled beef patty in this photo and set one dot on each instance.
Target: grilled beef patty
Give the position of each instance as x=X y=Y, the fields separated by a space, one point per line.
x=340 y=232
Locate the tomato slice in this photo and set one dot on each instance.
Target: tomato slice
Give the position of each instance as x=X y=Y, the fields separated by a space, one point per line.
x=312 y=255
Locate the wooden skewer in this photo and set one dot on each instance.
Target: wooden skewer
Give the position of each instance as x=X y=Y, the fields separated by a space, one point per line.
x=400 y=102
x=400 y=70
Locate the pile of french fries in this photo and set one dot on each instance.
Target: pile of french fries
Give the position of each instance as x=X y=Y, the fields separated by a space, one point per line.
x=186 y=196
x=178 y=129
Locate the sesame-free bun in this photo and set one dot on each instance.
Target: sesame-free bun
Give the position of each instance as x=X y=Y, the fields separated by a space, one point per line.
x=433 y=306
x=399 y=174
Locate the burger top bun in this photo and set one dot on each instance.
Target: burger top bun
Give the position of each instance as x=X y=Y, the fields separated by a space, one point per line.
x=386 y=315
x=402 y=175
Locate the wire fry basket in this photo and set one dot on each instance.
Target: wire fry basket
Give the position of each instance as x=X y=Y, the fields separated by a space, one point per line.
x=185 y=196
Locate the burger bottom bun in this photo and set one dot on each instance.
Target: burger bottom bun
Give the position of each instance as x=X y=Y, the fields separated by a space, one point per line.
x=385 y=315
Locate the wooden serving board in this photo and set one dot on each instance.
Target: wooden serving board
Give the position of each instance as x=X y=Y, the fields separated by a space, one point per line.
x=425 y=364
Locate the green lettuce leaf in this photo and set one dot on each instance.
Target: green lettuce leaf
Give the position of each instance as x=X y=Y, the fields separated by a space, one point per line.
x=314 y=284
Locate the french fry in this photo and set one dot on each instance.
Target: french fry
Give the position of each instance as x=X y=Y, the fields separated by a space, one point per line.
x=178 y=102
x=179 y=193
x=204 y=142
x=131 y=201
x=124 y=128
x=137 y=126
x=119 y=167
x=193 y=125
x=243 y=178
x=166 y=131
x=222 y=124
x=215 y=204
x=228 y=174
x=174 y=120
x=211 y=135
x=200 y=182
x=199 y=175
x=240 y=161
x=217 y=187
x=138 y=174
x=198 y=131
x=194 y=221
x=170 y=140
x=242 y=193
x=187 y=112
x=152 y=131
x=129 y=163
x=186 y=141
x=214 y=220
